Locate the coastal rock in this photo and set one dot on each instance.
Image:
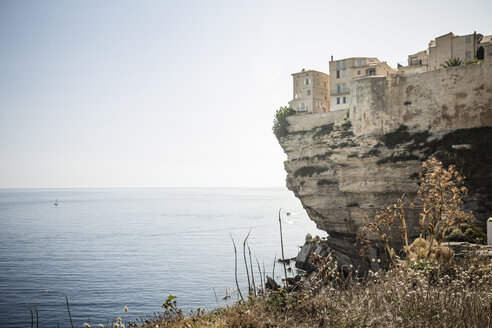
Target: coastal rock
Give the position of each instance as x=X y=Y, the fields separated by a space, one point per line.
x=271 y=284
x=316 y=246
x=340 y=178
x=343 y=166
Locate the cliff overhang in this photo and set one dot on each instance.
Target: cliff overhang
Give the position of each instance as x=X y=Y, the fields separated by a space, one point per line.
x=345 y=170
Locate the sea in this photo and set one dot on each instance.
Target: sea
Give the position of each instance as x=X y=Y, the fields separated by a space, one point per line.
x=105 y=249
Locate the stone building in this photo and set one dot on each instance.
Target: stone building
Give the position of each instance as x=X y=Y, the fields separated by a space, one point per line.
x=446 y=47
x=417 y=63
x=344 y=71
x=449 y=46
x=311 y=92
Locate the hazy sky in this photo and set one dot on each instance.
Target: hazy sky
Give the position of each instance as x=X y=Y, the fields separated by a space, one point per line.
x=180 y=93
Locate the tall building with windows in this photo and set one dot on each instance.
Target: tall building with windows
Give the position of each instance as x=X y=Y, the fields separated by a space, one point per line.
x=311 y=92
x=444 y=48
x=344 y=71
x=450 y=46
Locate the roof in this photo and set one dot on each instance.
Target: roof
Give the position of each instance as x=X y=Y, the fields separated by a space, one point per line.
x=308 y=71
x=486 y=39
x=370 y=58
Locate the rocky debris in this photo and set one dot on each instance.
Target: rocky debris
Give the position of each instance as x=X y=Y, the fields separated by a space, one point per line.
x=292 y=281
x=271 y=284
x=312 y=245
x=466 y=250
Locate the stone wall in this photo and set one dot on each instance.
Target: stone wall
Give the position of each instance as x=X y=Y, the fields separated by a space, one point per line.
x=439 y=100
x=307 y=122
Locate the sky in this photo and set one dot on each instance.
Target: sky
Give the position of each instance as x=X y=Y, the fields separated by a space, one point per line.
x=180 y=93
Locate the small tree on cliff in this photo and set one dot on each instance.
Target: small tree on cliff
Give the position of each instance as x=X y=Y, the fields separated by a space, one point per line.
x=280 y=122
x=452 y=62
x=439 y=197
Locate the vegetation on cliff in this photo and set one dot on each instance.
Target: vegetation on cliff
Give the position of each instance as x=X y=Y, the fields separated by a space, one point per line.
x=439 y=200
x=457 y=294
x=280 y=122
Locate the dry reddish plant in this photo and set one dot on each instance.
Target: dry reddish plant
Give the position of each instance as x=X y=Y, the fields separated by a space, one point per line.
x=380 y=227
x=440 y=193
x=440 y=197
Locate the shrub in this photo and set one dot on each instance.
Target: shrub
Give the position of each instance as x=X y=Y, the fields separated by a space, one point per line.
x=467 y=233
x=452 y=62
x=455 y=235
x=470 y=61
x=280 y=122
x=475 y=235
x=346 y=120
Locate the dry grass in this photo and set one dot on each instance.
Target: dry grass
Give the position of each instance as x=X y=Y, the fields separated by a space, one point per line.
x=415 y=294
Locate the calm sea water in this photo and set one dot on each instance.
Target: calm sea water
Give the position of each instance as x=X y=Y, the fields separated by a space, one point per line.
x=110 y=248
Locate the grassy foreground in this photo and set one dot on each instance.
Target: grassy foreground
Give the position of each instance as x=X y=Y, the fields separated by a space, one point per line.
x=412 y=294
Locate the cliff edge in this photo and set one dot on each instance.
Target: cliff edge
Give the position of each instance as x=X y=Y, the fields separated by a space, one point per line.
x=344 y=166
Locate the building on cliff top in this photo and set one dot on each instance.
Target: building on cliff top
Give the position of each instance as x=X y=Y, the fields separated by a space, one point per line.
x=344 y=71
x=446 y=47
x=317 y=92
x=311 y=92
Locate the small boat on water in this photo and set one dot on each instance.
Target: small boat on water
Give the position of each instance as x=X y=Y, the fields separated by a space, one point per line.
x=56 y=202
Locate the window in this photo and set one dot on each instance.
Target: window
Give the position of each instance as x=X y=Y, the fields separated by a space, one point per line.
x=338 y=74
x=338 y=65
x=344 y=100
x=302 y=106
x=295 y=96
x=468 y=39
x=307 y=81
x=359 y=62
x=341 y=88
x=344 y=64
x=371 y=71
x=324 y=83
x=309 y=92
x=343 y=73
x=338 y=101
x=358 y=72
x=468 y=54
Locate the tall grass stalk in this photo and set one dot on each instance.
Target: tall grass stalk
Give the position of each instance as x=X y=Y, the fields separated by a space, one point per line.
x=68 y=309
x=261 y=275
x=32 y=315
x=246 y=262
x=282 y=246
x=235 y=270
x=252 y=272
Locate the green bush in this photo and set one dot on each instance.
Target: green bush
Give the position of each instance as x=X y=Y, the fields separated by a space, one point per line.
x=280 y=122
x=475 y=235
x=470 y=61
x=346 y=120
x=455 y=235
x=467 y=233
x=452 y=62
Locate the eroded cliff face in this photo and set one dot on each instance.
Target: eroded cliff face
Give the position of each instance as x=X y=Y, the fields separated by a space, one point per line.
x=344 y=172
x=340 y=178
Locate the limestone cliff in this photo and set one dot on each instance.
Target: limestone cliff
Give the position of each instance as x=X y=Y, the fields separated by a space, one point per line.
x=343 y=172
